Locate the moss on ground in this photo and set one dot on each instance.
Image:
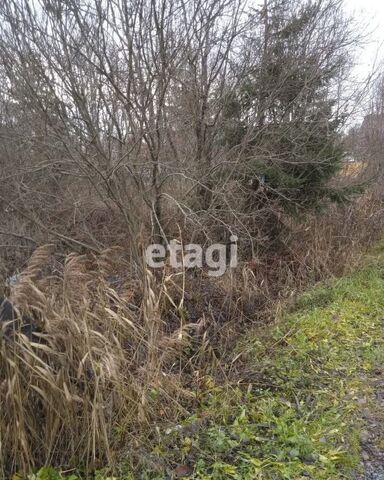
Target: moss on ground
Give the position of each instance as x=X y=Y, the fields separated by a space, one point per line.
x=298 y=417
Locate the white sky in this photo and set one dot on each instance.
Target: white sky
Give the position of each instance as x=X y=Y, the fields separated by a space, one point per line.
x=370 y=13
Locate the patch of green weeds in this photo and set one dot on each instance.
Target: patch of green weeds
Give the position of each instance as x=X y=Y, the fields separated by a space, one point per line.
x=49 y=473
x=298 y=418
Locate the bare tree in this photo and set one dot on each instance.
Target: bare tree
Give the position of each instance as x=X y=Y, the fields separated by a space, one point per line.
x=166 y=112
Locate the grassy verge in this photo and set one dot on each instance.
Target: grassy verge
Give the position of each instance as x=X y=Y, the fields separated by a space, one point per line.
x=296 y=416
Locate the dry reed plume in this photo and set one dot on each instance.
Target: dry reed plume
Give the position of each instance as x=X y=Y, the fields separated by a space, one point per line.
x=99 y=368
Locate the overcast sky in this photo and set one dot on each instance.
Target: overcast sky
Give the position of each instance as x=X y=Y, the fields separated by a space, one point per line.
x=371 y=14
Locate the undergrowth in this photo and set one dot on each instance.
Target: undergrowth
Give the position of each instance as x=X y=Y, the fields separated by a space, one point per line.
x=299 y=416
x=296 y=414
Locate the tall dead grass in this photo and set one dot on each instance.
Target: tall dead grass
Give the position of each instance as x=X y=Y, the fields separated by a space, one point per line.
x=325 y=245
x=100 y=368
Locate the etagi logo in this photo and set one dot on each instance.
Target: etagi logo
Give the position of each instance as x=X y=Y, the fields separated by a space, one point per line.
x=216 y=257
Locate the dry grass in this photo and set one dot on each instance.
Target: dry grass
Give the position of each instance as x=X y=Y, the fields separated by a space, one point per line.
x=101 y=368
x=325 y=245
x=116 y=352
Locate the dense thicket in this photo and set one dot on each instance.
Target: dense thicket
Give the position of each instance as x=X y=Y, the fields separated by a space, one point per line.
x=119 y=118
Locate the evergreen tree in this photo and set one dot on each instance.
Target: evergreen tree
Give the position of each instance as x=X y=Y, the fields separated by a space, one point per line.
x=284 y=114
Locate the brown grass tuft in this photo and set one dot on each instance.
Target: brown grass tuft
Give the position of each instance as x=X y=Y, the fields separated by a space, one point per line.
x=100 y=368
